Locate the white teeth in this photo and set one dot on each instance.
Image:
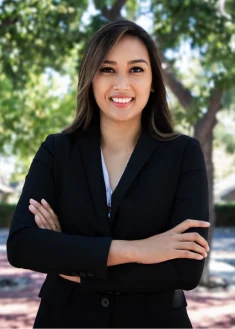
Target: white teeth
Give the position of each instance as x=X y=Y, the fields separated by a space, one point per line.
x=121 y=100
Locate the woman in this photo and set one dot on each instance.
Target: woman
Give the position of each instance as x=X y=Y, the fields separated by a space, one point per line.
x=123 y=225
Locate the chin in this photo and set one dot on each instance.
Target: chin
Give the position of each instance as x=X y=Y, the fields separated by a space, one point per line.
x=117 y=117
x=122 y=118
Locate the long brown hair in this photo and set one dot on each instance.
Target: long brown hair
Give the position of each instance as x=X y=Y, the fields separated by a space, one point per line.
x=156 y=116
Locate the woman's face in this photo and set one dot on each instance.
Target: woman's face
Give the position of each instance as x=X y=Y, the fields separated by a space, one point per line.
x=122 y=84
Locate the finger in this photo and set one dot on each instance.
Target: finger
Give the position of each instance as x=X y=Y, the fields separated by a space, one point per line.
x=48 y=207
x=39 y=209
x=196 y=237
x=35 y=211
x=45 y=223
x=53 y=214
x=191 y=246
x=188 y=254
x=188 y=223
x=39 y=222
x=71 y=278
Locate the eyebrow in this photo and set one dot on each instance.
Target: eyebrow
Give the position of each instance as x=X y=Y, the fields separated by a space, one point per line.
x=134 y=61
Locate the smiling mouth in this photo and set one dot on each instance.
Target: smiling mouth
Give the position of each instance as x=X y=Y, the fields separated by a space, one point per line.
x=122 y=100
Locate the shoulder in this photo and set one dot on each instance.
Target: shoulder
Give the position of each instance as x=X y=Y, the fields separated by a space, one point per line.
x=189 y=143
x=190 y=152
x=58 y=141
x=186 y=151
x=182 y=143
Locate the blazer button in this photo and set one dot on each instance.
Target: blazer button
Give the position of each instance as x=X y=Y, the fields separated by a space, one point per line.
x=105 y=302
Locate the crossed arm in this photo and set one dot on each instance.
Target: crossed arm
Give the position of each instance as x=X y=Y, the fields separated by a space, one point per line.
x=162 y=261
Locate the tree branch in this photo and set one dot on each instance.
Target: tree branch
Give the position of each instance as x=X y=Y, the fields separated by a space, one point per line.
x=8 y=22
x=221 y=6
x=183 y=94
x=115 y=12
x=118 y=5
x=205 y=125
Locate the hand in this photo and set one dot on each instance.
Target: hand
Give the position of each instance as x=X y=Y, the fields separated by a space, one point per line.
x=45 y=218
x=44 y=215
x=71 y=278
x=173 y=244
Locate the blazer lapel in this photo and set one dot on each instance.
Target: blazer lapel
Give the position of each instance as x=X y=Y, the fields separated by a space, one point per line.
x=143 y=150
x=90 y=148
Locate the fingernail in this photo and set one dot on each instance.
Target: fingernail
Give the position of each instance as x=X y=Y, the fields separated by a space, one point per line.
x=43 y=200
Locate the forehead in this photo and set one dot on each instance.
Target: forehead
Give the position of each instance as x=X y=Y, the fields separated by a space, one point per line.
x=129 y=48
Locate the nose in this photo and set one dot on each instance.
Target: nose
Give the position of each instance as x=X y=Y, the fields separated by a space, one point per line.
x=121 y=83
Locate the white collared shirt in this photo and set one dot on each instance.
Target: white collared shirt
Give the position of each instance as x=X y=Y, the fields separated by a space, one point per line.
x=107 y=183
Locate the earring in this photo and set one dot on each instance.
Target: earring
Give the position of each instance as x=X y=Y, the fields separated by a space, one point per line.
x=152 y=90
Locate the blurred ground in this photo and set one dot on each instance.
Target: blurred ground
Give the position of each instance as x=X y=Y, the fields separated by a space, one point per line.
x=206 y=308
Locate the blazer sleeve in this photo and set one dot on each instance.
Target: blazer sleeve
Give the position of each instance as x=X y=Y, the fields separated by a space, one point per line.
x=191 y=201
x=44 y=250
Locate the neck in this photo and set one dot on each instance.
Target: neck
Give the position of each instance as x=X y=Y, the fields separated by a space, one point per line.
x=119 y=136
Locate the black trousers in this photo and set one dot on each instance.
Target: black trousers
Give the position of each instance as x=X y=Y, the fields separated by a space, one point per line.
x=82 y=309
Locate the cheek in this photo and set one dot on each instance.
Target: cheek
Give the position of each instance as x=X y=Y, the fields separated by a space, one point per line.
x=142 y=85
x=143 y=91
x=95 y=86
x=99 y=88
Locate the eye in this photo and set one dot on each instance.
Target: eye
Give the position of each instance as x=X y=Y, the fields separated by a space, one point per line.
x=106 y=70
x=137 y=69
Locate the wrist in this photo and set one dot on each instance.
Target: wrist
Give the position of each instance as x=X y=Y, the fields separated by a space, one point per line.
x=125 y=251
x=135 y=251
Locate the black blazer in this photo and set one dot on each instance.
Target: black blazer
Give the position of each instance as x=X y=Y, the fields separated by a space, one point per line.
x=164 y=183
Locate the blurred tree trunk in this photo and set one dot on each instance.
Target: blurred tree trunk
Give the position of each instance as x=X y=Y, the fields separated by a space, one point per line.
x=207 y=149
x=203 y=131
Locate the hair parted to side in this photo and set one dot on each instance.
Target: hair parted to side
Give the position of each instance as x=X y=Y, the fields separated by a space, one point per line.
x=156 y=116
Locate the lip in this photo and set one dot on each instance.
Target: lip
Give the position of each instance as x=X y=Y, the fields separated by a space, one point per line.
x=121 y=105
x=121 y=96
